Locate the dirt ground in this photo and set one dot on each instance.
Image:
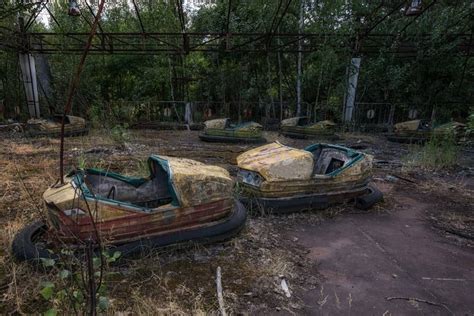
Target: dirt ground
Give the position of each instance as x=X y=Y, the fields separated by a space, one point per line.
x=411 y=254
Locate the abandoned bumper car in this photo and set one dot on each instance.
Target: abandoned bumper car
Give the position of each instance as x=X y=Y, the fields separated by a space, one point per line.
x=73 y=126
x=300 y=127
x=182 y=200
x=277 y=178
x=420 y=131
x=221 y=130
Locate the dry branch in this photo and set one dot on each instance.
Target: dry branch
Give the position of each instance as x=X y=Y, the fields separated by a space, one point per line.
x=390 y=298
x=220 y=297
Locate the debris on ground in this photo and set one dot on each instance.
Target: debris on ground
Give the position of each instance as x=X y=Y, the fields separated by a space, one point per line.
x=252 y=264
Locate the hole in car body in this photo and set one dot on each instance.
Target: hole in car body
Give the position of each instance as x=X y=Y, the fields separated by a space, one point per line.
x=328 y=160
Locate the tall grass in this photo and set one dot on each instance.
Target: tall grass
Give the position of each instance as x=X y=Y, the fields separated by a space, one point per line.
x=440 y=152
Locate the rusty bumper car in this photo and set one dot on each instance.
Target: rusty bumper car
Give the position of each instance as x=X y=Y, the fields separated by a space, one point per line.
x=73 y=126
x=300 y=127
x=420 y=131
x=162 y=125
x=222 y=131
x=415 y=131
x=279 y=179
x=182 y=200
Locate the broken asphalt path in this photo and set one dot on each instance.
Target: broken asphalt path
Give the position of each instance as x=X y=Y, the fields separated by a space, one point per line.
x=386 y=263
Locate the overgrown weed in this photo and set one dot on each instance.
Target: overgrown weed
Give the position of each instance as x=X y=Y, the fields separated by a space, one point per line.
x=440 y=152
x=164 y=282
x=120 y=135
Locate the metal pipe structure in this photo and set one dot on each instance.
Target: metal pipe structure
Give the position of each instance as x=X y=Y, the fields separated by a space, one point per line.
x=154 y=43
x=74 y=84
x=268 y=41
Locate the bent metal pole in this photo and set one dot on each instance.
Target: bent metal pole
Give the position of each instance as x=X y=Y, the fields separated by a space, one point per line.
x=73 y=87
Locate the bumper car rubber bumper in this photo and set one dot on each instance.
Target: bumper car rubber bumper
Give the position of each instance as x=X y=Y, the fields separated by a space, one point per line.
x=364 y=199
x=231 y=139
x=24 y=247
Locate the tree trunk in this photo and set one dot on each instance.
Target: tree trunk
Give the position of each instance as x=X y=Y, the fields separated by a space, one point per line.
x=318 y=91
x=433 y=115
x=171 y=79
x=280 y=83
x=300 y=59
x=269 y=79
x=172 y=89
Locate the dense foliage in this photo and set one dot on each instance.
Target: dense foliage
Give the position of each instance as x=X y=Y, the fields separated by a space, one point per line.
x=438 y=79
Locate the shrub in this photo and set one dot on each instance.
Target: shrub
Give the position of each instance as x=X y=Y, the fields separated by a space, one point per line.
x=96 y=115
x=470 y=122
x=119 y=134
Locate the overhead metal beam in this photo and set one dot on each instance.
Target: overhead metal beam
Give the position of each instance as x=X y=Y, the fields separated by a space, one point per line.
x=156 y=42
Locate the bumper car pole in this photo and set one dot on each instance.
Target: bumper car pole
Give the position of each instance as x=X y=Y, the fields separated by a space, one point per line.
x=73 y=87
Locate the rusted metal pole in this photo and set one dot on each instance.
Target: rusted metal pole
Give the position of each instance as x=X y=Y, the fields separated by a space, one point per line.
x=91 y=288
x=73 y=87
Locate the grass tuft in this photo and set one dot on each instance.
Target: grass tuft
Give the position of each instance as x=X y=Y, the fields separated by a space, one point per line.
x=441 y=152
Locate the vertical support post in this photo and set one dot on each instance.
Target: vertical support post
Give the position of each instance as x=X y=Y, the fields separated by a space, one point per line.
x=188 y=113
x=353 y=77
x=28 y=71
x=391 y=117
x=43 y=73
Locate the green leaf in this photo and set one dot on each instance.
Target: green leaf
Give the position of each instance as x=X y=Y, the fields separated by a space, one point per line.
x=78 y=277
x=64 y=274
x=96 y=261
x=102 y=289
x=78 y=296
x=51 y=312
x=47 y=291
x=66 y=252
x=48 y=262
x=61 y=295
x=103 y=303
x=47 y=284
x=114 y=257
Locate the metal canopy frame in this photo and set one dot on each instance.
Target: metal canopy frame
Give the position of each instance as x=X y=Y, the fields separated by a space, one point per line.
x=184 y=42
x=152 y=43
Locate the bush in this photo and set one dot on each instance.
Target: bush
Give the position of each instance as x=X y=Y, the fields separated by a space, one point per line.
x=119 y=134
x=96 y=116
x=67 y=288
x=106 y=114
x=470 y=122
